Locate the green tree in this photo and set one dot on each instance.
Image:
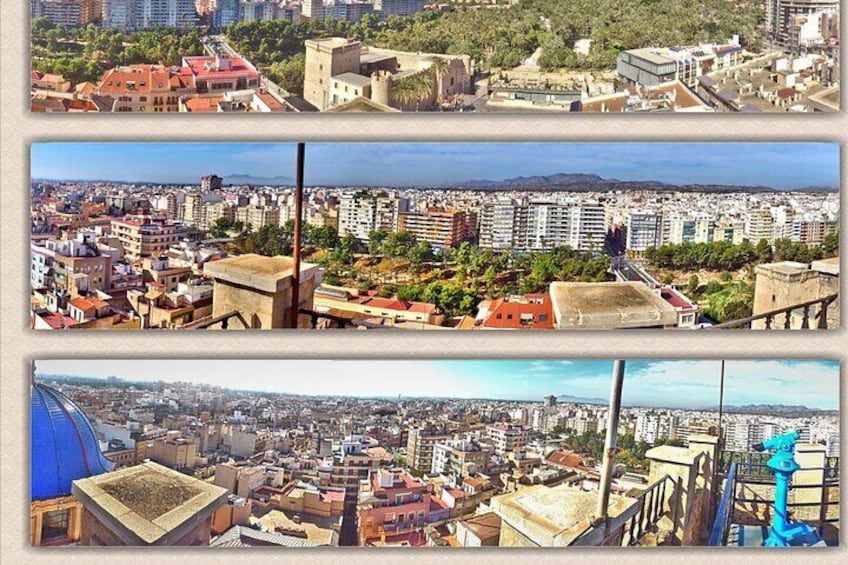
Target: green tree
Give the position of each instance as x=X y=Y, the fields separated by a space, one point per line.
x=289 y=73
x=440 y=67
x=693 y=284
x=375 y=241
x=405 y=92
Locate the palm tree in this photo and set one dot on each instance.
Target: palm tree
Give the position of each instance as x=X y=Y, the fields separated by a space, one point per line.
x=423 y=88
x=404 y=91
x=440 y=68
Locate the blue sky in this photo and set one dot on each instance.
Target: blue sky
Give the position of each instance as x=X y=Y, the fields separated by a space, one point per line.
x=782 y=165
x=685 y=384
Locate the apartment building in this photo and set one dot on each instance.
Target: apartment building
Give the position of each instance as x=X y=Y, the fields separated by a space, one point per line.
x=347 y=10
x=542 y=226
x=247 y=442
x=256 y=217
x=439 y=228
x=353 y=461
x=313 y=10
x=652 y=426
x=361 y=213
x=138 y=14
x=688 y=230
x=67 y=13
x=399 y=7
x=143 y=236
x=781 y=19
x=173 y=451
x=508 y=438
x=75 y=266
x=644 y=230
x=193 y=211
x=760 y=225
x=460 y=457
x=391 y=502
x=420 y=445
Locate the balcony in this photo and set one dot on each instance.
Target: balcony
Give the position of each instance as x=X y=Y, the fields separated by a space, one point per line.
x=745 y=506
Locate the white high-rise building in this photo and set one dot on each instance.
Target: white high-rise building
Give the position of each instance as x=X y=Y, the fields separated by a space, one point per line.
x=313 y=9
x=644 y=230
x=399 y=7
x=542 y=226
x=781 y=17
x=362 y=213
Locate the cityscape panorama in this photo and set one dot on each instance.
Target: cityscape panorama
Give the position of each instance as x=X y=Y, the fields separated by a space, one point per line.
x=391 y=56
x=434 y=236
x=463 y=453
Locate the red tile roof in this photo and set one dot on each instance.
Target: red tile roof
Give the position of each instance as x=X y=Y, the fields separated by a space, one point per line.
x=566 y=459
x=517 y=314
x=198 y=105
x=81 y=303
x=58 y=321
x=145 y=78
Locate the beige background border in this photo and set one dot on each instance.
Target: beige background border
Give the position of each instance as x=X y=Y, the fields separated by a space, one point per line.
x=19 y=345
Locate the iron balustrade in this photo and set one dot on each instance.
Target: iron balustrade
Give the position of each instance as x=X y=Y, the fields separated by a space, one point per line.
x=653 y=503
x=223 y=319
x=749 y=468
x=724 y=514
x=813 y=310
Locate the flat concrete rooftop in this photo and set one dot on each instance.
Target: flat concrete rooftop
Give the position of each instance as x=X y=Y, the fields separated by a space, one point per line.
x=829 y=266
x=609 y=305
x=553 y=516
x=149 y=504
x=269 y=274
x=785 y=268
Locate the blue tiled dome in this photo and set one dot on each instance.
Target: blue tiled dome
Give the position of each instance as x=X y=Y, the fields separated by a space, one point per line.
x=64 y=444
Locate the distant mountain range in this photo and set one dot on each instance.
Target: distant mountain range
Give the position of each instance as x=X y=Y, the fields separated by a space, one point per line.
x=787 y=410
x=240 y=178
x=577 y=182
x=568 y=399
x=573 y=182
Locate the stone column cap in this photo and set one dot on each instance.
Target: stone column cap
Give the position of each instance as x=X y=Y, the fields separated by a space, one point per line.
x=810 y=448
x=674 y=454
x=703 y=438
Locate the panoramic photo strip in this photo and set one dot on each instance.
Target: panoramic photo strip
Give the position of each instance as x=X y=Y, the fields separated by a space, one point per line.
x=460 y=453
x=204 y=56
x=434 y=236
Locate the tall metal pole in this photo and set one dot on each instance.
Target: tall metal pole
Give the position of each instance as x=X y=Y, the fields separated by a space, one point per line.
x=610 y=442
x=721 y=406
x=717 y=462
x=298 y=213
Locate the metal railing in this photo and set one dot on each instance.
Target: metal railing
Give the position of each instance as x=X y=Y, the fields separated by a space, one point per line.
x=811 y=311
x=724 y=514
x=343 y=322
x=750 y=469
x=223 y=320
x=653 y=505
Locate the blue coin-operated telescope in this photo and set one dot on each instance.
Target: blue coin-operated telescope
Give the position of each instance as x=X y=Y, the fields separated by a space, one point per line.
x=783 y=464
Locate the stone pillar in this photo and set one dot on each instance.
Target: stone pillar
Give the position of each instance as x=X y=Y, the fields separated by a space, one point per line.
x=682 y=466
x=812 y=460
x=36 y=524
x=709 y=446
